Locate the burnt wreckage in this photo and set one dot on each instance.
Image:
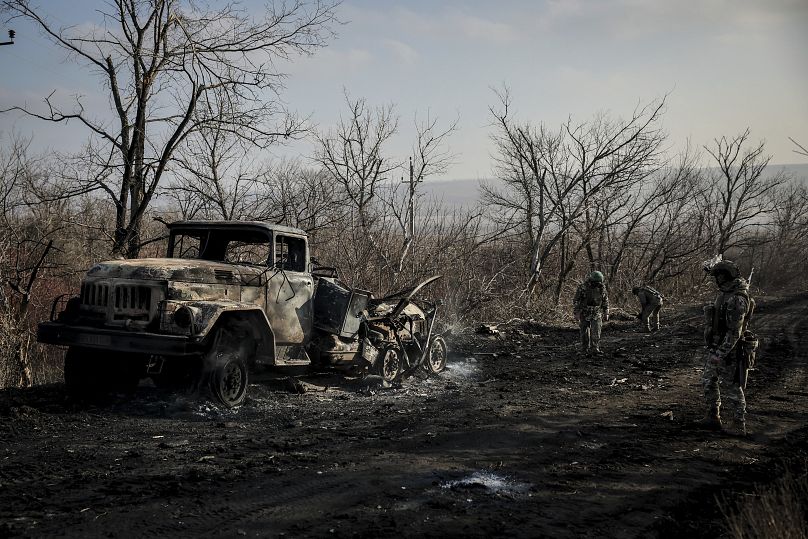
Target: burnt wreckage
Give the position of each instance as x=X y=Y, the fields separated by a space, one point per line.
x=232 y=295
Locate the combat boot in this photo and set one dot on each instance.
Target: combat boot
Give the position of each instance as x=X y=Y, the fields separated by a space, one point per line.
x=710 y=421
x=738 y=427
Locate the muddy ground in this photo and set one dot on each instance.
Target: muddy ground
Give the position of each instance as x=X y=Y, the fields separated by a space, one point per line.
x=520 y=437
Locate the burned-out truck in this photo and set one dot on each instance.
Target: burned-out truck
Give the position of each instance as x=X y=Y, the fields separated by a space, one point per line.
x=231 y=296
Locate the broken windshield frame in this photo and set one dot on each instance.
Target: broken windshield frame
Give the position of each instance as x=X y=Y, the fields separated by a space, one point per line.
x=245 y=247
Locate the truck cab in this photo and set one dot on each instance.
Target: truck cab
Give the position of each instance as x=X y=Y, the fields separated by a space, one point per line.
x=228 y=294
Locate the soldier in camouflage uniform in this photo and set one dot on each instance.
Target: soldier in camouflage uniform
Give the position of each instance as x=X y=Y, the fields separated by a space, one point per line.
x=591 y=308
x=650 y=305
x=731 y=347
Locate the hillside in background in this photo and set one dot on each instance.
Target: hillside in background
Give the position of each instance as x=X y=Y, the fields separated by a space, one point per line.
x=465 y=192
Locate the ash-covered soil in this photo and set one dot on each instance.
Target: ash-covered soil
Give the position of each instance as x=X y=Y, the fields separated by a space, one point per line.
x=520 y=437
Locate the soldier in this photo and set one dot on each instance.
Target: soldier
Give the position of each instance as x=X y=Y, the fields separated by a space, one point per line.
x=650 y=305
x=590 y=307
x=731 y=346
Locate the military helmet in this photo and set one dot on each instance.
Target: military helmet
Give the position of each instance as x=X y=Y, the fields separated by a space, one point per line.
x=596 y=277
x=725 y=266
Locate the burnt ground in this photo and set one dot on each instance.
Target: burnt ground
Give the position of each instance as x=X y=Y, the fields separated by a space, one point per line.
x=521 y=437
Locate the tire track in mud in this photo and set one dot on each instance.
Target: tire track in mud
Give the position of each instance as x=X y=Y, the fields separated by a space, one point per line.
x=782 y=368
x=270 y=507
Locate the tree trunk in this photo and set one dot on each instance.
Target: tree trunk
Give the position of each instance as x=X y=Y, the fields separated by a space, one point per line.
x=22 y=360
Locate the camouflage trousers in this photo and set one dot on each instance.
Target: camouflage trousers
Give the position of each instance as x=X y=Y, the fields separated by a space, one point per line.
x=649 y=316
x=590 y=331
x=724 y=375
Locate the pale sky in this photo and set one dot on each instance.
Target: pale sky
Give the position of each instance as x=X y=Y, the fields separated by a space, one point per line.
x=726 y=65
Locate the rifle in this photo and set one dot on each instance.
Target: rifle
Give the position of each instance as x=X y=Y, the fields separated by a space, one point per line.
x=747 y=350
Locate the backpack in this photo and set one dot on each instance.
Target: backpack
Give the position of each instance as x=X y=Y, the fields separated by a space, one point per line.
x=654 y=292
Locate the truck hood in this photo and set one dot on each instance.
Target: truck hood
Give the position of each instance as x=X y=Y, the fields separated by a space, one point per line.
x=176 y=269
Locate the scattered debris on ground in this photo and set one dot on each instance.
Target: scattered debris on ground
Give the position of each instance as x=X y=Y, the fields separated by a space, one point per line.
x=520 y=436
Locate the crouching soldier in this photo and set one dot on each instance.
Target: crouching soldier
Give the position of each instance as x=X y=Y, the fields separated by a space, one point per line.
x=650 y=305
x=591 y=308
x=731 y=347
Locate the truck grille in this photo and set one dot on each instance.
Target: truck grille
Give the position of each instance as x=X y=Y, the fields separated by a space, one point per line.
x=95 y=295
x=119 y=301
x=132 y=297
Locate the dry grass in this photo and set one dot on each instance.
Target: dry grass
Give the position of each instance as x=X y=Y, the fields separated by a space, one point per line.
x=23 y=361
x=778 y=510
x=13 y=338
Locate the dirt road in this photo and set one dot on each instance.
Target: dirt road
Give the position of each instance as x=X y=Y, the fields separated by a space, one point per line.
x=520 y=437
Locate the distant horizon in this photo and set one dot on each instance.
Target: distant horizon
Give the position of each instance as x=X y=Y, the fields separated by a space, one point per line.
x=459 y=195
x=492 y=177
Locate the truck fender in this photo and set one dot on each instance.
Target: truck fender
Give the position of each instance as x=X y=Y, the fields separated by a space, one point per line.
x=215 y=315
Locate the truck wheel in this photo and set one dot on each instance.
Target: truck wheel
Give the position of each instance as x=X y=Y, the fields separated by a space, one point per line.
x=229 y=381
x=388 y=365
x=226 y=363
x=438 y=352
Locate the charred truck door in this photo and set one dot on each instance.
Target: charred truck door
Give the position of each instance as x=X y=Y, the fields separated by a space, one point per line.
x=290 y=290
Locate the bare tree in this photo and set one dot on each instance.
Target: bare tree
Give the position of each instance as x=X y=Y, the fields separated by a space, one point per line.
x=673 y=237
x=645 y=220
x=218 y=177
x=215 y=175
x=739 y=198
x=159 y=60
x=26 y=241
x=309 y=198
x=354 y=154
x=232 y=187
x=431 y=156
x=801 y=150
x=783 y=260
x=552 y=178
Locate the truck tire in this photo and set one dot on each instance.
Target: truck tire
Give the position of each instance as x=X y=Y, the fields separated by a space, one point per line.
x=226 y=365
x=389 y=365
x=438 y=353
x=229 y=381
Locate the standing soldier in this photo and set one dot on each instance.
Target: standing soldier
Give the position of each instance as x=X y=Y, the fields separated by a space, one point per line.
x=732 y=347
x=591 y=308
x=650 y=305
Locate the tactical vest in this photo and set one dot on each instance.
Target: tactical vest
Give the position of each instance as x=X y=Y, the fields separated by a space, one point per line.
x=653 y=292
x=719 y=315
x=593 y=296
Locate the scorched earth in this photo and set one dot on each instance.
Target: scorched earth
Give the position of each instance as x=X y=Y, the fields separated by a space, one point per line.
x=520 y=437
